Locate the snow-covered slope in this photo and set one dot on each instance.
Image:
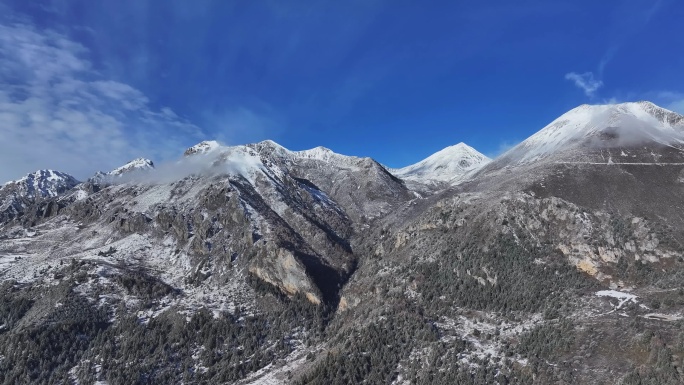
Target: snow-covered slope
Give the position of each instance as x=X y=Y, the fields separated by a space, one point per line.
x=202 y=147
x=328 y=156
x=133 y=167
x=601 y=126
x=361 y=186
x=451 y=165
x=274 y=150
x=139 y=164
x=246 y=160
x=618 y=156
x=203 y=215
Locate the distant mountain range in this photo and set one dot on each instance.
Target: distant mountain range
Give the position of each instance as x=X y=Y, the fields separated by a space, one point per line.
x=560 y=261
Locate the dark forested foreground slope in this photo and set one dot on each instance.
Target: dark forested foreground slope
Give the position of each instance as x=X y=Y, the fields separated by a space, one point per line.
x=559 y=262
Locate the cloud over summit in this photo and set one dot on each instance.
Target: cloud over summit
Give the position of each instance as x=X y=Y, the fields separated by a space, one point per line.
x=56 y=111
x=585 y=81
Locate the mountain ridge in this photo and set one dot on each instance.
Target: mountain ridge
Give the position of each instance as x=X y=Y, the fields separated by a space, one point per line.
x=255 y=264
x=42 y=183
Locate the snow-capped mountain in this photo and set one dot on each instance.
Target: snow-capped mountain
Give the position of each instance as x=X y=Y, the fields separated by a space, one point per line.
x=41 y=184
x=450 y=165
x=138 y=164
x=592 y=128
x=256 y=264
x=16 y=196
x=349 y=180
x=321 y=154
x=616 y=156
x=249 y=160
x=202 y=147
x=218 y=202
x=133 y=167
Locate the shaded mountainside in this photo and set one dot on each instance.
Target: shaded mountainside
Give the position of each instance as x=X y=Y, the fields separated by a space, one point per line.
x=559 y=262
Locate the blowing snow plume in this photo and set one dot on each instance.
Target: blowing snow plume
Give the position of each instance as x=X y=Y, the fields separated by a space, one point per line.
x=204 y=159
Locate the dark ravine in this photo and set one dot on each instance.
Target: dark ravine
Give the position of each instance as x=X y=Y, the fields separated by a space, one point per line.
x=559 y=262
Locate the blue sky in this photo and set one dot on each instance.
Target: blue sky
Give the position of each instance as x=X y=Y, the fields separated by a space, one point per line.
x=88 y=85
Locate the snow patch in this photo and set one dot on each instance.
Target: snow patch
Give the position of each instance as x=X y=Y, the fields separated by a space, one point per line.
x=622 y=297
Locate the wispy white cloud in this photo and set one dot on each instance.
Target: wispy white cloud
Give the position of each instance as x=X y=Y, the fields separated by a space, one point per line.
x=671 y=100
x=607 y=57
x=57 y=112
x=626 y=20
x=677 y=106
x=503 y=146
x=585 y=82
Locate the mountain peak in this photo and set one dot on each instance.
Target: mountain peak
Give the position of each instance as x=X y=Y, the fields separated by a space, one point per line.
x=640 y=109
x=138 y=164
x=134 y=166
x=270 y=147
x=460 y=147
x=601 y=126
x=321 y=153
x=42 y=183
x=270 y=143
x=202 y=148
x=451 y=165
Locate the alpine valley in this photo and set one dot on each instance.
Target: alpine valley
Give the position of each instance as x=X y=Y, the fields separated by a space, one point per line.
x=560 y=261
